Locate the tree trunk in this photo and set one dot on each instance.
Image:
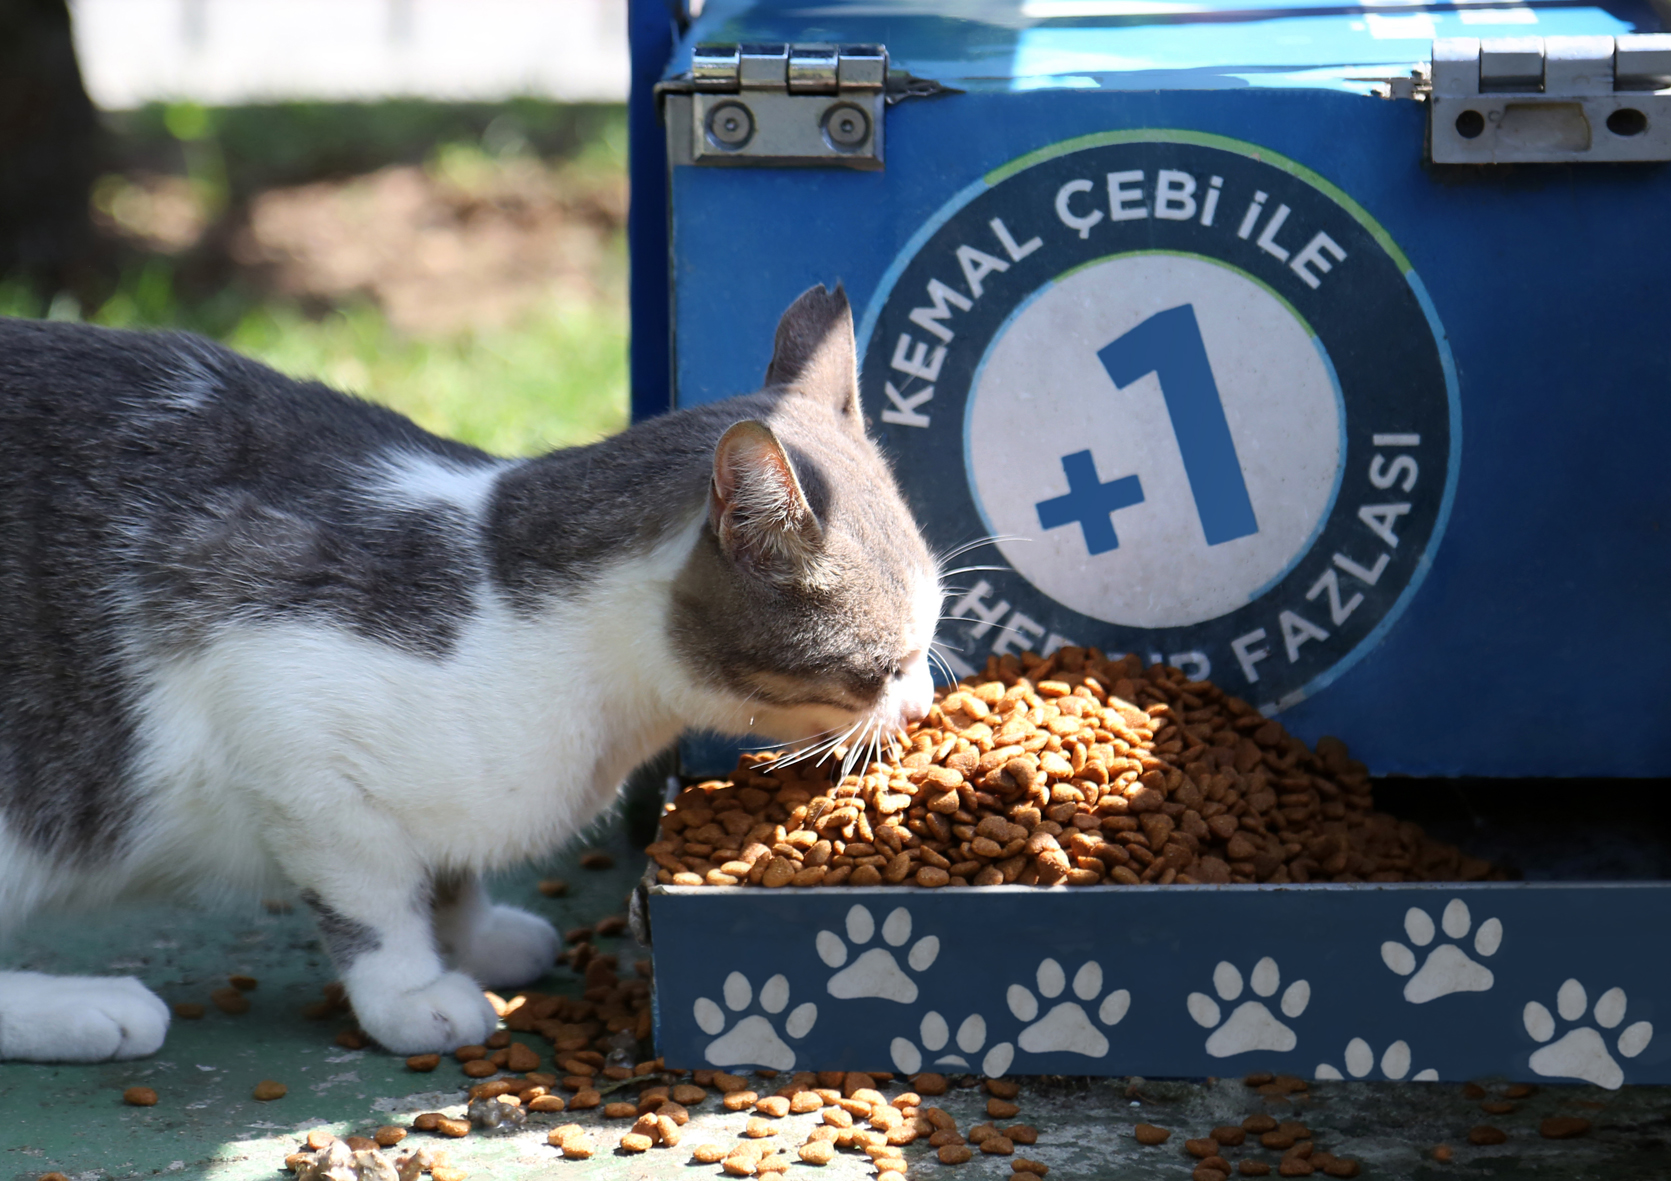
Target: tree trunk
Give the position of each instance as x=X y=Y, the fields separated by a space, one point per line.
x=49 y=141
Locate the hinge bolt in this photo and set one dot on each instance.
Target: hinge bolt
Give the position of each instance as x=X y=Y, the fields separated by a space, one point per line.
x=846 y=126
x=730 y=125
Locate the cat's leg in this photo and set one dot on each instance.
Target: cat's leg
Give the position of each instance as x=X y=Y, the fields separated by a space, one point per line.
x=78 y=1018
x=376 y=922
x=500 y=946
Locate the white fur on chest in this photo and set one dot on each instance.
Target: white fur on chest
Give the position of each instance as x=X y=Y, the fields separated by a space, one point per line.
x=488 y=756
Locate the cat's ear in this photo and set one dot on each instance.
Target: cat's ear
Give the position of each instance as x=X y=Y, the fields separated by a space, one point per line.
x=757 y=507
x=814 y=350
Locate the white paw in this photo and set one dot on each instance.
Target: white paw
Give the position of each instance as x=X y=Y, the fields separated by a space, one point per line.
x=1360 y=1060
x=78 y=1018
x=752 y=1041
x=510 y=947
x=1251 y=1026
x=1582 y=1050
x=1447 y=968
x=876 y=973
x=444 y=1014
x=934 y=1033
x=1066 y=1027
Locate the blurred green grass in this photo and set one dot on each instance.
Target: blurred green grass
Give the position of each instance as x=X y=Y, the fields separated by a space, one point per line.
x=555 y=377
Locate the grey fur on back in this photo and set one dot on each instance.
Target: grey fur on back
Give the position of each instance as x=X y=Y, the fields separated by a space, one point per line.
x=157 y=490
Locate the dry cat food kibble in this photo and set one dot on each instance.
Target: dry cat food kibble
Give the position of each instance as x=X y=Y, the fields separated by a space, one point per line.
x=1072 y=770
x=1149 y=1134
x=267 y=1089
x=1486 y=1134
x=1563 y=1127
x=139 y=1097
x=229 y=1000
x=189 y=1010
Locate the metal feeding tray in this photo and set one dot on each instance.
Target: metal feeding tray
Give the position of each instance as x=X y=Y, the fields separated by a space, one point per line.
x=1524 y=980
x=1558 y=978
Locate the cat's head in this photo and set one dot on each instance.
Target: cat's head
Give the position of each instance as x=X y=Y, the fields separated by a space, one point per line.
x=811 y=598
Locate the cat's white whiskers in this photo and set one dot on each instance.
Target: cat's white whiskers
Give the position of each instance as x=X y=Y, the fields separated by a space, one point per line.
x=856 y=753
x=1003 y=627
x=795 y=746
x=970 y=570
x=836 y=743
x=989 y=539
x=945 y=667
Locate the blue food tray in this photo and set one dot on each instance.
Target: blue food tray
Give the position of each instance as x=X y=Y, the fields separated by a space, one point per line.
x=1528 y=981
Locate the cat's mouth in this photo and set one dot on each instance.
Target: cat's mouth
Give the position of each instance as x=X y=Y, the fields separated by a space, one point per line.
x=828 y=716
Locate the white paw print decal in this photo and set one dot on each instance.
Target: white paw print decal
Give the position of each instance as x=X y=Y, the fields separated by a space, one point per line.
x=1251 y=1026
x=1067 y=1026
x=1360 y=1060
x=1582 y=1052
x=876 y=973
x=1447 y=968
x=934 y=1034
x=753 y=1041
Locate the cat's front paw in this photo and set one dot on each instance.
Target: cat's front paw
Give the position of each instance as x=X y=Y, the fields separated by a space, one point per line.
x=510 y=947
x=78 y=1018
x=444 y=1014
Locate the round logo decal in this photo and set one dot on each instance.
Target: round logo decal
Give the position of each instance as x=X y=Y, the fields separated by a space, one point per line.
x=1190 y=400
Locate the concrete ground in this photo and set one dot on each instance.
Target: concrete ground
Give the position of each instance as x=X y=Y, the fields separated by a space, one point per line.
x=206 y=1124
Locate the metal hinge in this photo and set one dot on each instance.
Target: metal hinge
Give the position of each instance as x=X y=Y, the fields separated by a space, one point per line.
x=779 y=104
x=1529 y=100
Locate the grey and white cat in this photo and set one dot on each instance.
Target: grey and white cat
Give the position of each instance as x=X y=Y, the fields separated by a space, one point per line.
x=254 y=632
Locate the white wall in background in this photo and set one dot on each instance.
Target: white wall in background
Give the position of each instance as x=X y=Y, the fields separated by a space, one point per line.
x=235 y=51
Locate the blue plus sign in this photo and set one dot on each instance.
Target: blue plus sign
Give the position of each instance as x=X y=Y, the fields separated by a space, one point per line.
x=1090 y=502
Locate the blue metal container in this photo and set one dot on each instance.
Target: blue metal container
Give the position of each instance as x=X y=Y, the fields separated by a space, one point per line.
x=1316 y=349
x=1177 y=299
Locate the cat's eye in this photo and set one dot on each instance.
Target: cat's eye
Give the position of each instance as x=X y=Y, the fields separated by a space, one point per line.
x=899 y=671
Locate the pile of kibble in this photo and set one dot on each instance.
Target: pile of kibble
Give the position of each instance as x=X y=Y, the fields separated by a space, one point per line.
x=1072 y=769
